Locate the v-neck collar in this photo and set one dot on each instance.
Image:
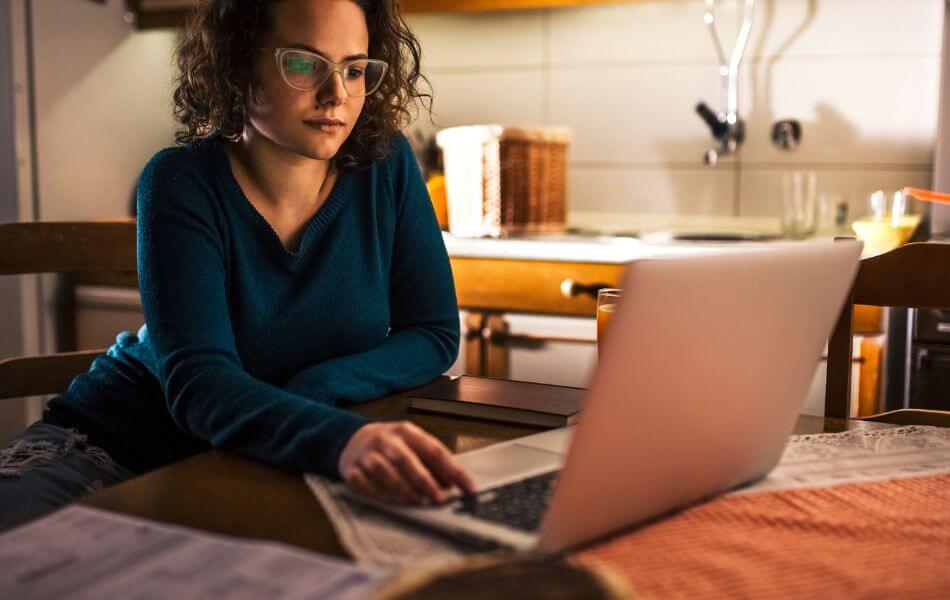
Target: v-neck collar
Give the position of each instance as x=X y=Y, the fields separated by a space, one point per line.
x=312 y=231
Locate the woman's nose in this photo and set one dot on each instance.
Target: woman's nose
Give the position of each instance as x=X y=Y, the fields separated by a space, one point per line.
x=332 y=91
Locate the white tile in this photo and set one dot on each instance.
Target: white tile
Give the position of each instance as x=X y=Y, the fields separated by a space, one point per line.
x=846 y=27
x=872 y=110
x=663 y=191
x=634 y=113
x=646 y=31
x=479 y=39
x=504 y=97
x=674 y=31
x=761 y=189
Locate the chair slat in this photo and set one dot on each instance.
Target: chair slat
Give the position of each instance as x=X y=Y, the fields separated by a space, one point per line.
x=67 y=247
x=39 y=375
x=912 y=276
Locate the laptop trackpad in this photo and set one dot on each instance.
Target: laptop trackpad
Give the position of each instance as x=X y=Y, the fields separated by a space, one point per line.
x=507 y=461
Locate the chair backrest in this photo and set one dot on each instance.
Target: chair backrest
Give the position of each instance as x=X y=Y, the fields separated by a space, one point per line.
x=912 y=276
x=35 y=247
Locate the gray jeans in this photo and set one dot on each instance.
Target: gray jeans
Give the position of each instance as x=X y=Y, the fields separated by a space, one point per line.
x=47 y=467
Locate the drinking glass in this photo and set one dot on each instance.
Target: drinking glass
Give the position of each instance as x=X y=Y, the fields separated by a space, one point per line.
x=799 y=205
x=608 y=300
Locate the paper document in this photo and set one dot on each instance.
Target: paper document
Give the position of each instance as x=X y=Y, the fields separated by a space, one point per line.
x=376 y=538
x=82 y=552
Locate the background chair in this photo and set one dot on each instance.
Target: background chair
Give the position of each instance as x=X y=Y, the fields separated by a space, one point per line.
x=913 y=276
x=25 y=248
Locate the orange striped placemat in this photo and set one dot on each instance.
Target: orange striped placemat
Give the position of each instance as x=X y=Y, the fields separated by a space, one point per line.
x=879 y=539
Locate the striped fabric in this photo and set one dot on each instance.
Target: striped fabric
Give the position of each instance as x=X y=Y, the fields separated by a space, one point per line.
x=882 y=539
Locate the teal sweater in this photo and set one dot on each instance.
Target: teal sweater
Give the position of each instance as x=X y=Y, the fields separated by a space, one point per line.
x=251 y=347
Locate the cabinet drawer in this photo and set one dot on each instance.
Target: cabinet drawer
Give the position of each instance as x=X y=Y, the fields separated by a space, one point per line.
x=529 y=286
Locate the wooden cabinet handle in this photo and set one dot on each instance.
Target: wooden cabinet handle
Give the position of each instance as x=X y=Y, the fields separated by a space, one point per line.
x=572 y=289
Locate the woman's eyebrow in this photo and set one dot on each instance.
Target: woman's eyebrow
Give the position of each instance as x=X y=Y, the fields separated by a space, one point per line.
x=323 y=54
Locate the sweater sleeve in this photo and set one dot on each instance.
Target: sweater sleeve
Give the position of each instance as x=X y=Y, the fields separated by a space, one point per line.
x=182 y=266
x=424 y=329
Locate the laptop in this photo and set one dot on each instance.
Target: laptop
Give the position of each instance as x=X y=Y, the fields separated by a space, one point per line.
x=696 y=391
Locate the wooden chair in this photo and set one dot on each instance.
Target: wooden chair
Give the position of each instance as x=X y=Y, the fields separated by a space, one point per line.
x=25 y=248
x=913 y=276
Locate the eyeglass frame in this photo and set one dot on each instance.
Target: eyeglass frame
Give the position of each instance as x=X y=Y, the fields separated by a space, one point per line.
x=333 y=68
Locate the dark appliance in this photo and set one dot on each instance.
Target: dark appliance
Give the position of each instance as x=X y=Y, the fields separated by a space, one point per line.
x=929 y=360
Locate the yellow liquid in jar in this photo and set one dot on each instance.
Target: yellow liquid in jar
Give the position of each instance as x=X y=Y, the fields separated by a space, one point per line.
x=605 y=314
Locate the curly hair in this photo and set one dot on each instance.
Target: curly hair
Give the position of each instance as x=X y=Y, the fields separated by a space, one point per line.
x=215 y=59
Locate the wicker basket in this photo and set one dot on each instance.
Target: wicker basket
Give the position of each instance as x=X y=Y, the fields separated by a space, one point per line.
x=505 y=181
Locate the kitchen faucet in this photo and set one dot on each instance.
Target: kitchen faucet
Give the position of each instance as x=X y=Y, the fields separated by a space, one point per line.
x=726 y=127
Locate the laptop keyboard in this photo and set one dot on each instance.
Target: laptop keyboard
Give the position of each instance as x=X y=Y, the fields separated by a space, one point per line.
x=519 y=505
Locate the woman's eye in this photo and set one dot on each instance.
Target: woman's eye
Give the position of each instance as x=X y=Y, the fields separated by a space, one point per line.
x=354 y=73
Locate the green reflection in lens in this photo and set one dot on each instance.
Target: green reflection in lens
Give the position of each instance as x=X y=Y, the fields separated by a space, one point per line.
x=299 y=65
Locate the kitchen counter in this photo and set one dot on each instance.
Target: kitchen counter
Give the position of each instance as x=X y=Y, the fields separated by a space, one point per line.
x=615 y=239
x=600 y=249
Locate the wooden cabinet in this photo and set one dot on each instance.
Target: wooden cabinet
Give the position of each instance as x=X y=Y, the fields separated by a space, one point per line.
x=410 y=6
x=154 y=14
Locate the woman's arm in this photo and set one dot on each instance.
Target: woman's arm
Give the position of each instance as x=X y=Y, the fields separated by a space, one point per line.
x=182 y=277
x=424 y=338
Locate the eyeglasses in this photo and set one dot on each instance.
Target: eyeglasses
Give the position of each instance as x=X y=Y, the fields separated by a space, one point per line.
x=306 y=71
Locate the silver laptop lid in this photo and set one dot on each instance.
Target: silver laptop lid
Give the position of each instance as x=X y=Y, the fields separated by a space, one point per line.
x=704 y=372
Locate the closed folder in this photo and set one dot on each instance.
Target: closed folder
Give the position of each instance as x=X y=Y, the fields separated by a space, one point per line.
x=501 y=400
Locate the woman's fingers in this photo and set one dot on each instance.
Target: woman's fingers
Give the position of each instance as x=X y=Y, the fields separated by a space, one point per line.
x=400 y=462
x=439 y=460
x=387 y=477
x=357 y=479
x=401 y=455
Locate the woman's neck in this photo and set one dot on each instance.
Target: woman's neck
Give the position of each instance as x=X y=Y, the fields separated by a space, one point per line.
x=282 y=180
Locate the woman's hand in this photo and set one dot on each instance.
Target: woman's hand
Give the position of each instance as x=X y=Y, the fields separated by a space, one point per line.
x=400 y=463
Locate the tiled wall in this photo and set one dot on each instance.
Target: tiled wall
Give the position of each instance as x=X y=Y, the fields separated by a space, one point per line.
x=861 y=75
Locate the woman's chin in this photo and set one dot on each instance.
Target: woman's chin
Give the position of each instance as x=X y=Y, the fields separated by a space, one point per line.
x=321 y=150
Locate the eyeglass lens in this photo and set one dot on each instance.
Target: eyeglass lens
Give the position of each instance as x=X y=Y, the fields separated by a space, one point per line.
x=307 y=72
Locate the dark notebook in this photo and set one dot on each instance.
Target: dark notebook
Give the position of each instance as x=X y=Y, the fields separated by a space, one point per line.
x=501 y=400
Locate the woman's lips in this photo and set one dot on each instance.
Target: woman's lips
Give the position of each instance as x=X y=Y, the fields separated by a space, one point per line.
x=325 y=126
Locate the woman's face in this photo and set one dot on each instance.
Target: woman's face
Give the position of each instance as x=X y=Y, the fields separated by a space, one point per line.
x=334 y=29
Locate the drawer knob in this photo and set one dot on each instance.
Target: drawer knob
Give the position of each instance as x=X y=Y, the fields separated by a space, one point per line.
x=572 y=289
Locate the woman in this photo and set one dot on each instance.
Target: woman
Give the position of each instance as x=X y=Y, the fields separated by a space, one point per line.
x=289 y=260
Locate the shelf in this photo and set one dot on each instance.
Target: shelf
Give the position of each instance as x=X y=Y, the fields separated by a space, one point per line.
x=411 y=6
x=159 y=14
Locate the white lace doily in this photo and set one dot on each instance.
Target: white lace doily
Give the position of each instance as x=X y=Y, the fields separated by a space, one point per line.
x=825 y=459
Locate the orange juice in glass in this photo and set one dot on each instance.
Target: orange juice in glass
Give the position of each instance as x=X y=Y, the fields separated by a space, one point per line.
x=608 y=300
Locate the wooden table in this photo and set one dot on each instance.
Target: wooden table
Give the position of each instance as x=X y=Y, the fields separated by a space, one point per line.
x=221 y=492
